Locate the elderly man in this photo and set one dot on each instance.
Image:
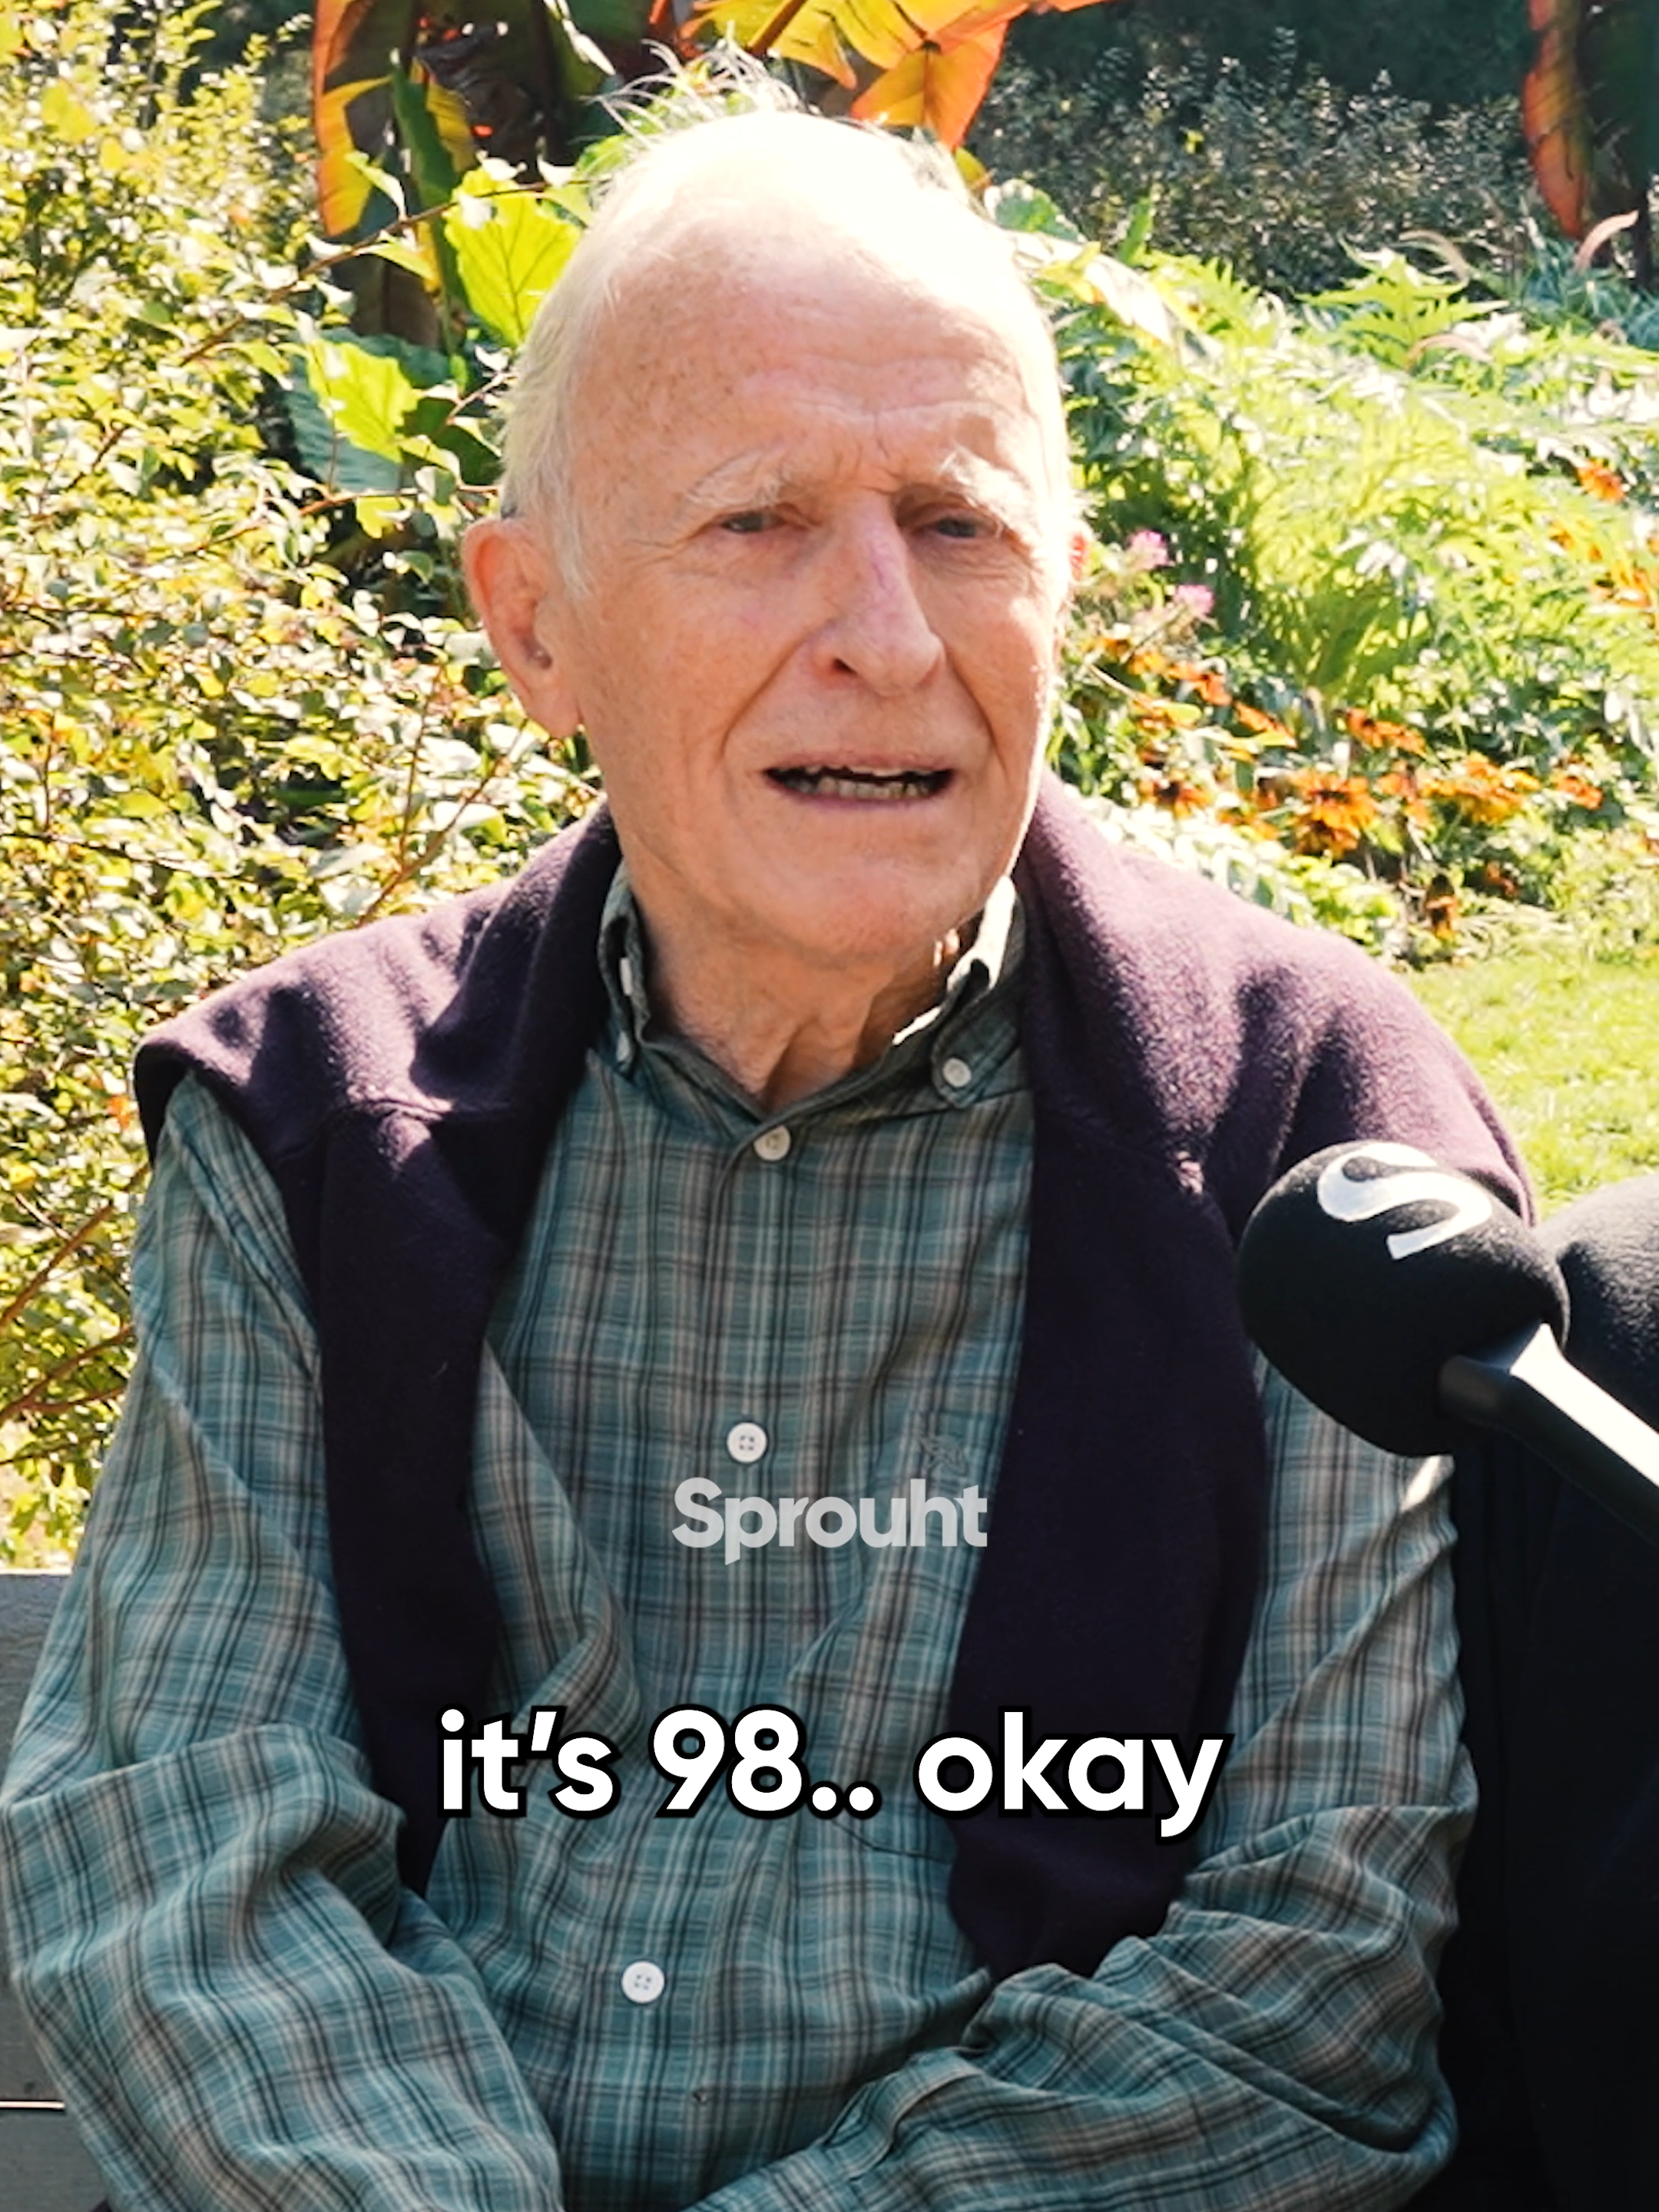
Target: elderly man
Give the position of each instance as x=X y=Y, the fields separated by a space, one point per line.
x=753 y=1296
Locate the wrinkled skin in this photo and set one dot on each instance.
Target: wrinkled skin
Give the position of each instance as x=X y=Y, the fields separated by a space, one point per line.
x=824 y=565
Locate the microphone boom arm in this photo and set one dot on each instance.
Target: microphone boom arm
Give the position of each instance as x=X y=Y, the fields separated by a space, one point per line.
x=1524 y=1387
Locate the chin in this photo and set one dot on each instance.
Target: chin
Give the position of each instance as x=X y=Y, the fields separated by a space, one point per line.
x=850 y=920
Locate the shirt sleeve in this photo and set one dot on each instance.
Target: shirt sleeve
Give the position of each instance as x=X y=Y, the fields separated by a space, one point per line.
x=1274 y=2043
x=207 y=1931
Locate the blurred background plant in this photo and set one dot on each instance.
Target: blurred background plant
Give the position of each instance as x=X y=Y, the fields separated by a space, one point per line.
x=1277 y=171
x=230 y=716
x=1369 y=633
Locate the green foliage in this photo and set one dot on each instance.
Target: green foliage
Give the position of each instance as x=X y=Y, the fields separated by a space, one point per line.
x=1451 y=52
x=1393 y=603
x=1276 y=172
x=1369 y=633
x=215 y=738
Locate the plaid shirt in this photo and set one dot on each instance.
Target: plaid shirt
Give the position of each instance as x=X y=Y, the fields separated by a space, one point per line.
x=748 y=2015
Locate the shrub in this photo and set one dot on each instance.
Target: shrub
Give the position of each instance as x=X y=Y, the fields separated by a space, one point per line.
x=214 y=739
x=1371 y=634
x=1279 y=176
x=1381 y=572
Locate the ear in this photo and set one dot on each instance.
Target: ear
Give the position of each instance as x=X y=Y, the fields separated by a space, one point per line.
x=1080 y=543
x=523 y=602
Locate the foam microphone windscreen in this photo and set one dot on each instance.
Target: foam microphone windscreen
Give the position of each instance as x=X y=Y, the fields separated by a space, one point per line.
x=1368 y=1267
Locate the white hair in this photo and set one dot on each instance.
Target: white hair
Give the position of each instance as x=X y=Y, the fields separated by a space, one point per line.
x=895 y=203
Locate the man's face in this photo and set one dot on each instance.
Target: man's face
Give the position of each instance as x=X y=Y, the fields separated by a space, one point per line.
x=821 y=581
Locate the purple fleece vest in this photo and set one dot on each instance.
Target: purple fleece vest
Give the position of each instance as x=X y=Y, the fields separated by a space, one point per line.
x=402 y=1085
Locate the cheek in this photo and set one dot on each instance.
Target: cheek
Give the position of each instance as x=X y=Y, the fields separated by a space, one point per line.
x=683 y=655
x=1012 y=666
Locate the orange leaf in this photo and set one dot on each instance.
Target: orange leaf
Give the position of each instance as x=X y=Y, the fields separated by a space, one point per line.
x=933 y=90
x=1590 y=106
x=1554 y=116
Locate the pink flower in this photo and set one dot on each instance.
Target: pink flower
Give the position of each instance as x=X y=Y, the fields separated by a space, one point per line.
x=1198 y=599
x=1147 y=550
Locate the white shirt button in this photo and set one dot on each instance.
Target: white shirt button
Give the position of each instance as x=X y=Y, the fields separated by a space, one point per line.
x=774 y=1144
x=746 y=1440
x=625 y=976
x=644 y=1982
x=956 y=1073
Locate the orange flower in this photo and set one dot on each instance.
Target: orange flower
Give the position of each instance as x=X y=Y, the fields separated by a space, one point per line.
x=1576 y=784
x=1440 y=907
x=1480 y=789
x=1260 y=724
x=1209 y=686
x=1381 y=736
x=1333 y=812
x=1600 y=481
x=1402 y=783
x=1172 y=788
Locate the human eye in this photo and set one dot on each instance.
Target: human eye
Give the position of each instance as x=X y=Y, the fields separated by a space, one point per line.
x=962 y=526
x=957 y=520
x=749 y=521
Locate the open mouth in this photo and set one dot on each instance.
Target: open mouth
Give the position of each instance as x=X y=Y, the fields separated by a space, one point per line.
x=862 y=783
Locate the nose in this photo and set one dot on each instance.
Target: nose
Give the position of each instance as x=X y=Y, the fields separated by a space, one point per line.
x=878 y=628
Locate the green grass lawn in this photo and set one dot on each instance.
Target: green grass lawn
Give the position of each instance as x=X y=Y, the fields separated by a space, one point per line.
x=1570 y=1049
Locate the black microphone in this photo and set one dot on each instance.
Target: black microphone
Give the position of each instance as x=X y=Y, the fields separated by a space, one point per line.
x=1408 y=1303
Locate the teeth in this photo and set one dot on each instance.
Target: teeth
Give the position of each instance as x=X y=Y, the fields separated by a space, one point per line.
x=862 y=783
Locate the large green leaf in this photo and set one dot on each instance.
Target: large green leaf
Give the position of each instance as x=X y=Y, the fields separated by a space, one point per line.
x=509 y=248
x=352 y=403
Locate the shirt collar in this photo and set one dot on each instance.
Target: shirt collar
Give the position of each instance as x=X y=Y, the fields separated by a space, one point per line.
x=991 y=955
x=978 y=967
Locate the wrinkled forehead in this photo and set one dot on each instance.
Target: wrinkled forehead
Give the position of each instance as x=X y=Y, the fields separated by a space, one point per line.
x=714 y=284
x=709 y=223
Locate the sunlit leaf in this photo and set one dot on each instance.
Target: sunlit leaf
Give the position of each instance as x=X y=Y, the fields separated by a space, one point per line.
x=917 y=63
x=350 y=406
x=351 y=49
x=934 y=90
x=509 y=250
x=62 y=110
x=406 y=253
x=433 y=126
x=343 y=192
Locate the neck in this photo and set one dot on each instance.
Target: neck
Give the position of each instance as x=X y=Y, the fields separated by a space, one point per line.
x=783 y=1027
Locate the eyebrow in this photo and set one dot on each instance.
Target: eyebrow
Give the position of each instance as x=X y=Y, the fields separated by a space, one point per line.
x=736 y=486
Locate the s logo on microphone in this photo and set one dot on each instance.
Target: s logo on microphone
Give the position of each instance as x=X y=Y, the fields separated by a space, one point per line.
x=1348 y=1197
